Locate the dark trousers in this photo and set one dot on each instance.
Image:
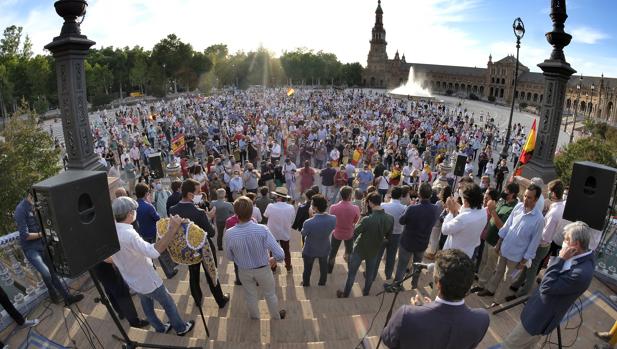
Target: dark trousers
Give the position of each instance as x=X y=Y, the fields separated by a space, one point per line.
x=220 y=228
x=117 y=291
x=215 y=288
x=334 y=245
x=308 y=268
x=285 y=245
x=8 y=306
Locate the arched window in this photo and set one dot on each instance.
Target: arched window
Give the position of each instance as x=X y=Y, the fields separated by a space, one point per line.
x=503 y=81
x=582 y=109
x=492 y=80
x=528 y=96
x=515 y=94
x=456 y=86
x=535 y=97
x=481 y=89
x=491 y=92
x=568 y=104
x=501 y=93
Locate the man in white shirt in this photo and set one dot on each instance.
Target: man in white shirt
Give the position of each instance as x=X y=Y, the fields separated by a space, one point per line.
x=275 y=153
x=395 y=209
x=289 y=171
x=464 y=225
x=134 y=261
x=281 y=216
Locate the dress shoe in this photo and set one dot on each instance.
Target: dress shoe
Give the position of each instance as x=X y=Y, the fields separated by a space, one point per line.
x=476 y=289
x=225 y=301
x=304 y=285
x=511 y=298
x=514 y=289
x=140 y=324
x=72 y=299
x=485 y=293
x=237 y=283
x=321 y=284
x=605 y=336
x=283 y=314
x=340 y=294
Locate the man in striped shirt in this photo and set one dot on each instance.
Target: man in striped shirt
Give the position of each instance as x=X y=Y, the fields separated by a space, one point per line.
x=247 y=244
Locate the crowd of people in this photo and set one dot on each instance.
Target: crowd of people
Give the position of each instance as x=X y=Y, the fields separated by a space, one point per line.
x=372 y=172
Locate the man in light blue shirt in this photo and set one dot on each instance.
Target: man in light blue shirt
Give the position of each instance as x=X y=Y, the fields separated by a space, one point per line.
x=247 y=244
x=518 y=241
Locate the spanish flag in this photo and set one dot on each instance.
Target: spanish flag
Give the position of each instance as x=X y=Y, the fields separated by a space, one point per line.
x=290 y=92
x=527 y=151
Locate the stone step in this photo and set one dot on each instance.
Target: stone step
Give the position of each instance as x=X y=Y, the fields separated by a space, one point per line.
x=254 y=334
x=267 y=331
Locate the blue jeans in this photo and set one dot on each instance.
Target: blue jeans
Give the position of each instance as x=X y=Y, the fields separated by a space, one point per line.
x=403 y=260
x=163 y=298
x=390 y=251
x=371 y=272
x=308 y=268
x=42 y=263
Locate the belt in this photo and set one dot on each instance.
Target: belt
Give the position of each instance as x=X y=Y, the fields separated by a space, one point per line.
x=263 y=266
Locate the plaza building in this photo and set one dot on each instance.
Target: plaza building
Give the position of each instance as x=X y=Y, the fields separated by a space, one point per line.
x=596 y=97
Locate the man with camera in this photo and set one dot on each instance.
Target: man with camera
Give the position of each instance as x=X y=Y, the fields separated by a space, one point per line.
x=446 y=323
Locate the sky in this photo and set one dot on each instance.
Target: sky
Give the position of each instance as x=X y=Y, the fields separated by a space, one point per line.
x=450 y=32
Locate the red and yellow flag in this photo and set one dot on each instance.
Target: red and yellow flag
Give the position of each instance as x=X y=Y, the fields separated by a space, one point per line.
x=178 y=144
x=527 y=151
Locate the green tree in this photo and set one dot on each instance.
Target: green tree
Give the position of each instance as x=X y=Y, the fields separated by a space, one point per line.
x=584 y=149
x=27 y=156
x=9 y=44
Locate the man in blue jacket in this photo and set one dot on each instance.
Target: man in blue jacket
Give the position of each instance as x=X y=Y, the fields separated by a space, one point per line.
x=565 y=280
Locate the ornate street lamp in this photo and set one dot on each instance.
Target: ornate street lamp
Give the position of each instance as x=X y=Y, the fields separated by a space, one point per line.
x=578 y=98
x=519 y=31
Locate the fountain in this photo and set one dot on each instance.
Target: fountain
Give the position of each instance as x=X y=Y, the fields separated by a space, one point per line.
x=411 y=89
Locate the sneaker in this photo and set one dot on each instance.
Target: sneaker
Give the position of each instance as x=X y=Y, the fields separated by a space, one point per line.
x=166 y=327
x=30 y=323
x=605 y=336
x=140 y=323
x=189 y=327
x=72 y=299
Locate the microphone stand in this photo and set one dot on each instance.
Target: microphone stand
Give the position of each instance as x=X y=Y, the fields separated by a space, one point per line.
x=408 y=275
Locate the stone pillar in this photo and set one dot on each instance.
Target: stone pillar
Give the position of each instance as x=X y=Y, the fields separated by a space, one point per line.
x=69 y=50
x=556 y=72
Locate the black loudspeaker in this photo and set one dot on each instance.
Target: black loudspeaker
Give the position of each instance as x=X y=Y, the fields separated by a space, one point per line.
x=156 y=166
x=75 y=214
x=591 y=188
x=459 y=167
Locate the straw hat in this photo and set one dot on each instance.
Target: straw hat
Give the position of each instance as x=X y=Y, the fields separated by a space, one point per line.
x=282 y=191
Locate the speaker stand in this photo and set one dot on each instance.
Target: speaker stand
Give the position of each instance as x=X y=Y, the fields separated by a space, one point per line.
x=128 y=343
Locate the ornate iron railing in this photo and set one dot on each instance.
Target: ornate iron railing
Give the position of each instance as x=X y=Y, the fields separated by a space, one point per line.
x=21 y=282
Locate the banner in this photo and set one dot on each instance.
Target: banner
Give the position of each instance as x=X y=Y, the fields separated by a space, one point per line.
x=178 y=144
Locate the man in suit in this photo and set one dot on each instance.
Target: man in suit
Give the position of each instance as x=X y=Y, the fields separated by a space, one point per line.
x=447 y=322
x=564 y=281
x=316 y=234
